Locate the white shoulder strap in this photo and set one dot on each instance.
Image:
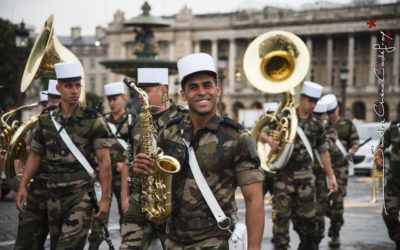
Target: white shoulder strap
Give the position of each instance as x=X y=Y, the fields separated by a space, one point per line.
x=341 y=147
x=74 y=150
x=114 y=132
x=303 y=137
x=205 y=190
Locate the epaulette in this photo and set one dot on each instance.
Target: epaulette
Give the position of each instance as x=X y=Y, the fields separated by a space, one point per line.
x=395 y=122
x=232 y=123
x=174 y=121
x=91 y=112
x=48 y=109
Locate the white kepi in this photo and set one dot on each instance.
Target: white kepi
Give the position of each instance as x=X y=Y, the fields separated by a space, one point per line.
x=194 y=63
x=115 y=88
x=43 y=96
x=152 y=77
x=52 y=90
x=312 y=90
x=331 y=100
x=68 y=71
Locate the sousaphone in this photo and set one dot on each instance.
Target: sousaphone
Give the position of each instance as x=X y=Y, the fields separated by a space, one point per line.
x=277 y=62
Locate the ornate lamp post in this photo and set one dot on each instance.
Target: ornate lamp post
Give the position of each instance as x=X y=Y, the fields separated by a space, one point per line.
x=21 y=42
x=222 y=63
x=343 y=74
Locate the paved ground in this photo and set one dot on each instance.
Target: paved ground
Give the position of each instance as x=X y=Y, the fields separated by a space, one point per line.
x=363 y=229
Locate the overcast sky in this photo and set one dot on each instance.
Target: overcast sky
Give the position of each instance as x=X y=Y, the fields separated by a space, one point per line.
x=91 y=13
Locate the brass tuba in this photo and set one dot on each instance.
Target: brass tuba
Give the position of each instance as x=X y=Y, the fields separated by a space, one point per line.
x=156 y=196
x=277 y=62
x=46 y=51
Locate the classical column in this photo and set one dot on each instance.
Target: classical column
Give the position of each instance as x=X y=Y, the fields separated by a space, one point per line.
x=329 y=51
x=196 y=46
x=171 y=50
x=214 y=51
x=372 y=62
x=396 y=61
x=310 y=49
x=231 y=65
x=350 y=61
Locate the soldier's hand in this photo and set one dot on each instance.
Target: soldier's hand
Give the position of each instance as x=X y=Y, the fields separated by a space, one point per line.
x=124 y=203
x=273 y=144
x=333 y=186
x=103 y=210
x=119 y=166
x=21 y=199
x=379 y=163
x=142 y=164
x=351 y=153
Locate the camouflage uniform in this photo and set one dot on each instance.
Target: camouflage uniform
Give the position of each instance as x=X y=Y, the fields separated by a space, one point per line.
x=69 y=208
x=228 y=158
x=347 y=134
x=33 y=225
x=116 y=155
x=137 y=232
x=392 y=188
x=294 y=190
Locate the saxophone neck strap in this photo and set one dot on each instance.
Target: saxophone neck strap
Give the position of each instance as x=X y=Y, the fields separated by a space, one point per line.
x=306 y=142
x=224 y=222
x=72 y=147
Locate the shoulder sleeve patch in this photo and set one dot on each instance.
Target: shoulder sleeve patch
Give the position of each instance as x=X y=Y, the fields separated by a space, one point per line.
x=174 y=121
x=92 y=112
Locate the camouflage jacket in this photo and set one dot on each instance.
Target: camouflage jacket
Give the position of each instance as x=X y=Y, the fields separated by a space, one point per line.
x=227 y=156
x=392 y=137
x=86 y=128
x=348 y=136
x=43 y=172
x=316 y=135
x=116 y=150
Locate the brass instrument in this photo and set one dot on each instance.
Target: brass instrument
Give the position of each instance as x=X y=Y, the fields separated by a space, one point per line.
x=277 y=62
x=46 y=51
x=376 y=174
x=156 y=197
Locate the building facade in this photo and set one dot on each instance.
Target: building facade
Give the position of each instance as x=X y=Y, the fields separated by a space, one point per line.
x=336 y=38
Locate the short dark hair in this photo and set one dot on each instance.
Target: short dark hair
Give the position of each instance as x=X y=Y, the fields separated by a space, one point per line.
x=210 y=73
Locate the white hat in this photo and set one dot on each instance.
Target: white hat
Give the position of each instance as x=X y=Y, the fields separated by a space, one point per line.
x=43 y=96
x=321 y=107
x=331 y=100
x=52 y=90
x=68 y=71
x=270 y=106
x=115 y=88
x=152 y=77
x=312 y=89
x=193 y=63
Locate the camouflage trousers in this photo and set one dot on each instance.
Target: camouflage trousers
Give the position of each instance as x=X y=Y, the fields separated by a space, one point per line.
x=294 y=196
x=336 y=202
x=33 y=226
x=392 y=202
x=137 y=232
x=212 y=243
x=95 y=234
x=69 y=214
x=268 y=183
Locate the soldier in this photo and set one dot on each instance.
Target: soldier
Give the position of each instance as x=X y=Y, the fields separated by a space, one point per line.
x=137 y=231
x=227 y=156
x=294 y=189
x=69 y=207
x=43 y=99
x=117 y=122
x=390 y=211
x=346 y=143
x=33 y=224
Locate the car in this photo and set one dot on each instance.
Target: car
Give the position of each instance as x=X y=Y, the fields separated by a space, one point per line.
x=362 y=161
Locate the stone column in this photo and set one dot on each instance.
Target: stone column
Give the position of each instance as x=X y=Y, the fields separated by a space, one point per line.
x=350 y=61
x=372 y=63
x=196 y=46
x=396 y=61
x=231 y=65
x=329 y=51
x=214 y=51
x=309 y=43
x=171 y=50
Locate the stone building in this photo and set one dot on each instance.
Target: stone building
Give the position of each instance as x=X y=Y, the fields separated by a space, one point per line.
x=336 y=37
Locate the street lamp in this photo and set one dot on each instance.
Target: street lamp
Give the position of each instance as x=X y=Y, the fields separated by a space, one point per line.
x=222 y=63
x=21 y=42
x=343 y=74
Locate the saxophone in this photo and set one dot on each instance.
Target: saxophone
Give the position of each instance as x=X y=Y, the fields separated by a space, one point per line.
x=156 y=196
